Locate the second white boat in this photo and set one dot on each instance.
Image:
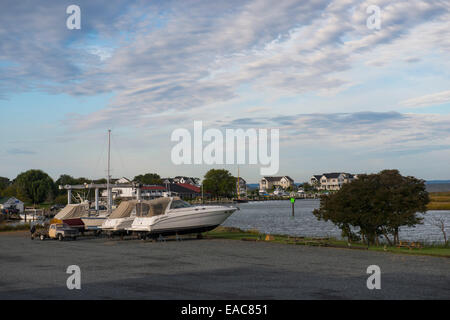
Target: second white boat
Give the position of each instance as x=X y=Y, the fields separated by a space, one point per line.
x=171 y=215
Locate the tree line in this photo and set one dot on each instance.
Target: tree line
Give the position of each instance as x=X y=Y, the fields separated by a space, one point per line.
x=37 y=187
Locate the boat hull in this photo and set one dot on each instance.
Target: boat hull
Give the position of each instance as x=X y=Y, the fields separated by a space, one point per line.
x=183 y=221
x=119 y=224
x=93 y=223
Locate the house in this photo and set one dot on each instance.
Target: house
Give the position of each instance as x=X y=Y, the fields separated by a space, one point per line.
x=11 y=203
x=315 y=181
x=167 y=181
x=185 y=190
x=122 y=180
x=151 y=192
x=121 y=191
x=331 y=181
x=241 y=185
x=284 y=182
x=183 y=180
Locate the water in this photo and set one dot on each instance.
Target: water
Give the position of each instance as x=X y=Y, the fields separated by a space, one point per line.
x=275 y=217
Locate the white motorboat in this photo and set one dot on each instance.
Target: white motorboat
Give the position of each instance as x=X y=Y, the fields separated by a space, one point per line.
x=93 y=222
x=121 y=218
x=171 y=215
x=29 y=217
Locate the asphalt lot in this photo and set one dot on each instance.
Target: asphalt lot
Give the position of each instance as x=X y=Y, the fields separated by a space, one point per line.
x=210 y=269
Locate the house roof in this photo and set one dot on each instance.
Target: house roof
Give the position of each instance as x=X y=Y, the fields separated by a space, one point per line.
x=190 y=187
x=332 y=175
x=317 y=176
x=123 y=180
x=278 y=178
x=3 y=200
x=272 y=178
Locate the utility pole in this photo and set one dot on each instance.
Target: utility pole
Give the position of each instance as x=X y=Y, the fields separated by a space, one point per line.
x=202 y=193
x=109 y=176
x=238 y=186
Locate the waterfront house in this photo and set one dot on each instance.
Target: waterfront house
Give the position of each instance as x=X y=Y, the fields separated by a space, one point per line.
x=151 y=192
x=315 y=181
x=186 y=191
x=268 y=183
x=11 y=203
x=331 y=181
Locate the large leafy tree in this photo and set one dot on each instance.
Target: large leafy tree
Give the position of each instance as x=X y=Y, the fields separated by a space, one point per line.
x=35 y=186
x=4 y=183
x=377 y=204
x=148 y=178
x=219 y=182
x=66 y=179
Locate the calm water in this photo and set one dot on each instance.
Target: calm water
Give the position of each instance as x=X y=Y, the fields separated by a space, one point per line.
x=274 y=217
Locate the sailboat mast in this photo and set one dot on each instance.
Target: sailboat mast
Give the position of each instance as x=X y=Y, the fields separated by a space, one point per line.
x=238 y=185
x=109 y=176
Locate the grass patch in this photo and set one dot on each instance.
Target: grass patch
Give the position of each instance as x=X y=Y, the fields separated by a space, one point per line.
x=439 y=201
x=17 y=227
x=255 y=235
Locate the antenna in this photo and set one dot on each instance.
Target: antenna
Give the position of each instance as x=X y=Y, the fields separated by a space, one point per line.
x=108 y=177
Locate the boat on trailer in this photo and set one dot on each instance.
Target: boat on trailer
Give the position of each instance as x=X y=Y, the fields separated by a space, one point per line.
x=171 y=215
x=72 y=215
x=121 y=218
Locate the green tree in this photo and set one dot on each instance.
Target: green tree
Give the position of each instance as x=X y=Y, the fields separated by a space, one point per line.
x=219 y=183
x=377 y=204
x=148 y=178
x=61 y=199
x=4 y=183
x=10 y=191
x=307 y=187
x=66 y=179
x=35 y=186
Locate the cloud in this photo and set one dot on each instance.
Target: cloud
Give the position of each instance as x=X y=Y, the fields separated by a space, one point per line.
x=18 y=151
x=176 y=56
x=372 y=132
x=428 y=100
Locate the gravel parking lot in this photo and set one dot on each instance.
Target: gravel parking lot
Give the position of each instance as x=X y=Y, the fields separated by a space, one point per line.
x=210 y=269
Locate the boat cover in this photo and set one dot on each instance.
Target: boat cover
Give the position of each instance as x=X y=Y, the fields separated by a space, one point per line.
x=153 y=207
x=71 y=211
x=123 y=210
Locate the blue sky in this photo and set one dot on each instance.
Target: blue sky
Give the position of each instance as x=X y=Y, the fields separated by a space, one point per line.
x=345 y=97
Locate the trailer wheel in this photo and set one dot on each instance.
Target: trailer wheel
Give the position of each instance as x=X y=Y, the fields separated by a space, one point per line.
x=42 y=237
x=60 y=237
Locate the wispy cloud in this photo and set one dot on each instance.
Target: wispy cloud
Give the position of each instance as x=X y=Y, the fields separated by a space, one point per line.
x=181 y=55
x=18 y=151
x=364 y=131
x=428 y=100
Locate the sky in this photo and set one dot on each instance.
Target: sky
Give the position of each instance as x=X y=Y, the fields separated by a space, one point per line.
x=345 y=97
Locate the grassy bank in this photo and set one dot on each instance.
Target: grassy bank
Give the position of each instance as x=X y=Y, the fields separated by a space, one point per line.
x=17 y=227
x=255 y=235
x=439 y=201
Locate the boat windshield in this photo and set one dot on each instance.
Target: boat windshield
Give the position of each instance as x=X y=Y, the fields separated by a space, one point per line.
x=176 y=204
